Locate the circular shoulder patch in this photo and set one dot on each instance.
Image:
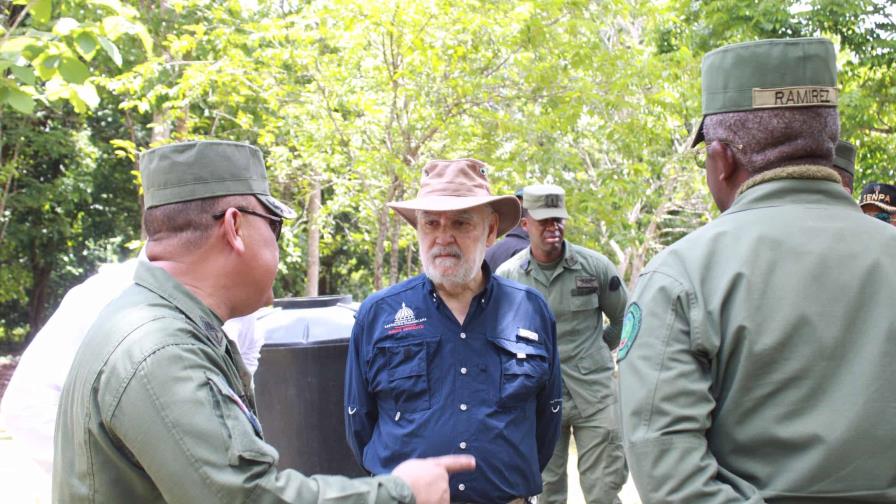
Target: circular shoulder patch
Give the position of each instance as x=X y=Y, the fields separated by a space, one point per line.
x=630 y=327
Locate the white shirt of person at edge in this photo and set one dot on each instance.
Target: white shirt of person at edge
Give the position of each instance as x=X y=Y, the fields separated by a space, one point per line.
x=28 y=408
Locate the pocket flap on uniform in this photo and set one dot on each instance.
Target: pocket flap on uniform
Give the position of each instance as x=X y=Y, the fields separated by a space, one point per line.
x=520 y=347
x=584 y=300
x=407 y=360
x=242 y=426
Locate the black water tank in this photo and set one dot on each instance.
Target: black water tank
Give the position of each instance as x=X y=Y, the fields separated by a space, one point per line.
x=299 y=383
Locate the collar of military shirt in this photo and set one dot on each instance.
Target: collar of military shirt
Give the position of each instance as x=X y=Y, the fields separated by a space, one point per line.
x=569 y=259
x=803 y=172
x=162 y=283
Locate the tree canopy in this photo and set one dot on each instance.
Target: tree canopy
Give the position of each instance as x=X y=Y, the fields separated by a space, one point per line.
x=348 y=99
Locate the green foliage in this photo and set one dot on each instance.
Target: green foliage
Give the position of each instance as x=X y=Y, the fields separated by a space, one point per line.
x=47 y=51
x=349 y=98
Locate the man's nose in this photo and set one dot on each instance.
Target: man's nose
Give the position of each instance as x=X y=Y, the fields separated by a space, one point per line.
x=444 y=235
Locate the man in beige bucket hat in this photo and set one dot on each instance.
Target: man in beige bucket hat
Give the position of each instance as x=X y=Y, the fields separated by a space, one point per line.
x=456 y=360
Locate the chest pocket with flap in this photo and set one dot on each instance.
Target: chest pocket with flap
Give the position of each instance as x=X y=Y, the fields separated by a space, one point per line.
x=524 y=370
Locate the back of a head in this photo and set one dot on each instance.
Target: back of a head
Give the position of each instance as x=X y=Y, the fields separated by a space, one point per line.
x=774 y=99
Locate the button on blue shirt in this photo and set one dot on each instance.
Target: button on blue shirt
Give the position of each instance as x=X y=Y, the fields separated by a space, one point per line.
x=420 y=384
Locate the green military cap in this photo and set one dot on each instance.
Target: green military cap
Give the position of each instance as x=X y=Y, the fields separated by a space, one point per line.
x=764 y=74
x=845 y=157
x=195 y=170
x=545 y=201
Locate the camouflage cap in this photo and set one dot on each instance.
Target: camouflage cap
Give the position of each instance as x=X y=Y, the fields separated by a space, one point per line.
x=778 y=73
x=845 y=157
x=882 y=196
x=189 y=171
x=545 y=201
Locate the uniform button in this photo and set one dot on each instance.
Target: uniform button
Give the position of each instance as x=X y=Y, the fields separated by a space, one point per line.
x=463 y=370
x=461 y=487
x=463 y=407
x=463 y=445
x=463 y=335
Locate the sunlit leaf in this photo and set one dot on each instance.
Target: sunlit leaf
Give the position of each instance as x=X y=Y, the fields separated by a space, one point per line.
x=19 y=100
x=73 y=70
x=24 y=74
x=111 y=49
x=64 y=26
x=42 y=10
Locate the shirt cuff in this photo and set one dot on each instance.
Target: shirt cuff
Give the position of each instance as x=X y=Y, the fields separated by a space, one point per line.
x=397 y=489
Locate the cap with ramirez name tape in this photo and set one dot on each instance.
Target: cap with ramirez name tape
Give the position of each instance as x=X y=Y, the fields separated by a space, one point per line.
x=779 y=73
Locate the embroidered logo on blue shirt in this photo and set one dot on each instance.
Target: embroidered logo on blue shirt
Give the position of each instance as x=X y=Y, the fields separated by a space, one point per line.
x=405 y=320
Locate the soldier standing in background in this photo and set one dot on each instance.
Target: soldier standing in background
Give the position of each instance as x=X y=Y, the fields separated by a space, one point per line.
x=581 y=286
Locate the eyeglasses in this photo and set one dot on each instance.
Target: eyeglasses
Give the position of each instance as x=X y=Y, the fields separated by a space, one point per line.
x=276 y=223
x=698 y=154
x=884 y=216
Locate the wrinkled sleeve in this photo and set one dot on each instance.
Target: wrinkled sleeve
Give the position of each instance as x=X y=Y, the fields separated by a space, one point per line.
x=360 y=406
x=613 y=298
x=666 y=402
x=197 y=443
x=550 y=405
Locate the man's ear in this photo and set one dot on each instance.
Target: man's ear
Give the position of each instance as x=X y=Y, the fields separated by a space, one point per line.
x=492 y=230
x=727 y=162
x=525 y=223
x=231 y=230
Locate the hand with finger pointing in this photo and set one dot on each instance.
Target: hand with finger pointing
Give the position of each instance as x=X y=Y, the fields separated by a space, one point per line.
x=428 y=478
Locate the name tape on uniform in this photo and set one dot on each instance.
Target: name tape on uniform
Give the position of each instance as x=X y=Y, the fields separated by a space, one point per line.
x=796 y=96
x=525 y=333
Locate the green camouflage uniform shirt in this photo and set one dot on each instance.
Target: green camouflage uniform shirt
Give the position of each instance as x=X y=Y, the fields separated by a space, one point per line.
x=158 y=408
x=583 y=286
x=758 y=361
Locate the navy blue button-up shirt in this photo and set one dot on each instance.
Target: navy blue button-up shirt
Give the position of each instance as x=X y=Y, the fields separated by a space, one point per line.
x=420 y=384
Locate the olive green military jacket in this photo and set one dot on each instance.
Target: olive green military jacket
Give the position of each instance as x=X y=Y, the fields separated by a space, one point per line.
x=158 y=408
x=758 y=361
x=584 y=286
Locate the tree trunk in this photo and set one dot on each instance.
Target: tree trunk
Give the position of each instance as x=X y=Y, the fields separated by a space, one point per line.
x=394 y=265
x=380 y=250
x=312 y=280
x=382 y=232
x=37 y=298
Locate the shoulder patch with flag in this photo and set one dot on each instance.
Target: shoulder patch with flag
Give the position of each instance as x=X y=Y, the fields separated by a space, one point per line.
x=630 y=327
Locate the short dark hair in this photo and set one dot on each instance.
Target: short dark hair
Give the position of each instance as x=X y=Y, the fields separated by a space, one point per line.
x=777 y=137
x=189 y=222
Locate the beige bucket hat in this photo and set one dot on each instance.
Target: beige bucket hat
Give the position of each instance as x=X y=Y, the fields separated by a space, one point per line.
x=458 y=184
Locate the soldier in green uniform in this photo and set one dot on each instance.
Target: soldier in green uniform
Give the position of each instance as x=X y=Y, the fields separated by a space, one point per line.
x=581 y=286
x=158 y=406
x=757 y=356
x=845 y=163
